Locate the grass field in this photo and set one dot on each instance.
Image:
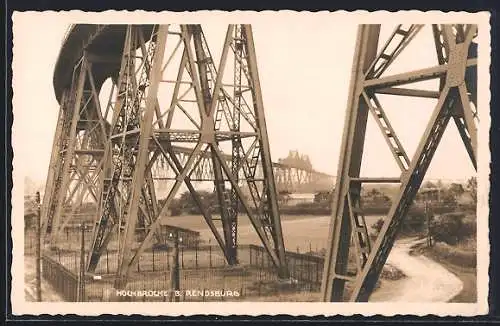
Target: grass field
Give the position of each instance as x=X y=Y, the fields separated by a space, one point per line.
x=459 y=260
x=302 y=233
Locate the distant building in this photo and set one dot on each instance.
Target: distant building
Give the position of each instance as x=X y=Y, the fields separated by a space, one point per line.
x=428 y=194
x=323 y=197
x=190 y=238
x=295 y=199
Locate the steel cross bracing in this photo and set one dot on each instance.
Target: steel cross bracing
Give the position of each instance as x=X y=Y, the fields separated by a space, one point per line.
x=288 y=177
x=298 y=179
x=456 y=70
x=155 y=146
x=76 y=153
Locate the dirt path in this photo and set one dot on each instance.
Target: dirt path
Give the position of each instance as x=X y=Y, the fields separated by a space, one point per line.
x=426 y=281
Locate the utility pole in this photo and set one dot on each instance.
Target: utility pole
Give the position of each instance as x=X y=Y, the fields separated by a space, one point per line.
x=81 y=278
x=428 y=214
x=428 y=217
x=428 y=196
x=174 y=272
x=38 y=249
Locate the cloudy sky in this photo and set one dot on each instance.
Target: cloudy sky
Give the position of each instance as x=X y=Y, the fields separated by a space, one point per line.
x=304 y=65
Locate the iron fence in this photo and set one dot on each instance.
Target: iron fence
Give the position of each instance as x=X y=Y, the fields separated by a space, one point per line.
x=64 y=281
x=202 y=269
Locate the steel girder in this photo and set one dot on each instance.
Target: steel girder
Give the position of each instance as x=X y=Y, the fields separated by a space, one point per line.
x=143 y=149
x=288 y=177
x=457 y=59
x=76 y=153
x=295 y=179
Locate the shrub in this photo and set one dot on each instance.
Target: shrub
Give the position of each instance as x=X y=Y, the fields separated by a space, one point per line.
x=451 y=228
x=413 y=223
x=377 y=226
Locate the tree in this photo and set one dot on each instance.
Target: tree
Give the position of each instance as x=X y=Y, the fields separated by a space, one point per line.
x=448 y=198
x=413 y=223
x=456 y=189
x=376 y=196
x=377 y=226
x=429 y=184
x=186 y=203
x=386 y=199
x=452 y=227
x=471 y=187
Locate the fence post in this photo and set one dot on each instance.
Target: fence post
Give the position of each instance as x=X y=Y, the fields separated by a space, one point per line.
x=107 y=262
x=38 y=249
x=174 y=274
x=309 y=277
x=317 y=272
x=210 y=255
x=81 y=278
x=182 y=257
x=165 y=282
x=196 y=255
x=153 y=259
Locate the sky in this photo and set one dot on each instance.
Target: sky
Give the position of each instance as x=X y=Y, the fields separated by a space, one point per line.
x=304 y=67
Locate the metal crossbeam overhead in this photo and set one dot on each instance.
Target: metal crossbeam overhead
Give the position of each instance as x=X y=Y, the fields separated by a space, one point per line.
x=456 y=99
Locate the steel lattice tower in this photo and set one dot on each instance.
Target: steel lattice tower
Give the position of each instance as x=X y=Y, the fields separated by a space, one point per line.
x=456 y=100
x=142 y=141
x=77 y=152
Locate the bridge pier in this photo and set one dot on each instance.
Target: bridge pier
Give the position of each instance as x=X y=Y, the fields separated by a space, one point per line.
x=143 y=147
x=452 y=44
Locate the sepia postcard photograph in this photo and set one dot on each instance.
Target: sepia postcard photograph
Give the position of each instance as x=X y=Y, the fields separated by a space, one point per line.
x=249 y=163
